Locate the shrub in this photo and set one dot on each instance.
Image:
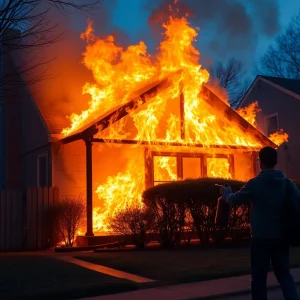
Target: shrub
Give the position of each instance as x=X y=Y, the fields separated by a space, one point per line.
x=70 y=214
x=198 y=197
x=133 y=221
x=170 y=212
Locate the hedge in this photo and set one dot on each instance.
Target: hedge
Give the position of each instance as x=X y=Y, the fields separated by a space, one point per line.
x=191 y=205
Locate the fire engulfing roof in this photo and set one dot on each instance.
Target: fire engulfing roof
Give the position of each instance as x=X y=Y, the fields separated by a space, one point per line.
x=117 y=113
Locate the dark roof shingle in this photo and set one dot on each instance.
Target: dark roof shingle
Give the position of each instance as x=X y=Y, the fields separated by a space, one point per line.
x=292 y=85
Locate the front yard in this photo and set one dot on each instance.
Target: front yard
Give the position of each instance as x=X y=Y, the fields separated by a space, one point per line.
x=42 y=277
x=178 y=266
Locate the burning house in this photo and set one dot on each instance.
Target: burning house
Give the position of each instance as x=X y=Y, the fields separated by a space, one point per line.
x=149 y=120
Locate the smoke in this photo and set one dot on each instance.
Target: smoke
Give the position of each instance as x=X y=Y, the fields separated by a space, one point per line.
x=61 y=89
x=229 y=26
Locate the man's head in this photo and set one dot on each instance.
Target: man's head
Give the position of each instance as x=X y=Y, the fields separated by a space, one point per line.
x=267 y=158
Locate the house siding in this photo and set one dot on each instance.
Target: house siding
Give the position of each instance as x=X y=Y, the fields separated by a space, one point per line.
x=69 y=169
x=271 y=101
x=29 y=167
x=2 y=130
x=25 y=134
x=2 y=146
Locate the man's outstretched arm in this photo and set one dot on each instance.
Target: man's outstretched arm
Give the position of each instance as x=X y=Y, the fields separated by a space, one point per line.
x=243 y=196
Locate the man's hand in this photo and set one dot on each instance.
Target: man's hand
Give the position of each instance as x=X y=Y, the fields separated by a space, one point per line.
x=226 y=191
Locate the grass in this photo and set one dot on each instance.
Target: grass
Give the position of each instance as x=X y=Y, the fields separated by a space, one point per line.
x=27 y=276
x=171 y=267
x=43 y=277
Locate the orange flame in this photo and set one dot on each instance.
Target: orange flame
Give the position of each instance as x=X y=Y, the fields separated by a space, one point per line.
x=279 y=137
x=120 y=191
x=218 y=167
x=119 y=73
x=249 y=114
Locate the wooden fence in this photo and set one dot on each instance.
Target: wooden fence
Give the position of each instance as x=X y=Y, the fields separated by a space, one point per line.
x=23 y=218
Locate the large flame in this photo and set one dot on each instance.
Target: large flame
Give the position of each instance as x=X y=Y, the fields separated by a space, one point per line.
x=119 y=72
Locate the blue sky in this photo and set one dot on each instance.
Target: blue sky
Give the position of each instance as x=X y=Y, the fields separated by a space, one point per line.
x=131 y=16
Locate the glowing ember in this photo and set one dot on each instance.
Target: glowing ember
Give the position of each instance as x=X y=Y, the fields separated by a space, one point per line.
x=119 y=73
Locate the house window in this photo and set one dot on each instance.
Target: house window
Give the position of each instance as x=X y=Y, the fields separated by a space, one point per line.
x=218 y=167
x=42 y=170
x=191 y=167
x=165 y=169
x=174 y=166
x=272 y=125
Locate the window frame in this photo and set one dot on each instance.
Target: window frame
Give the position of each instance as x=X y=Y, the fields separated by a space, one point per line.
x=44 y=155
x=180 y=155
x=266 y=122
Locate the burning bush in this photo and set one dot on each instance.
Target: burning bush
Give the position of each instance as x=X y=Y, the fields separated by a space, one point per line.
x=135 y=222
x=198 y=197
x=70 y=214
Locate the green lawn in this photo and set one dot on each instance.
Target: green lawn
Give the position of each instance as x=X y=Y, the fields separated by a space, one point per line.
x=43 y=277
x=179 y=266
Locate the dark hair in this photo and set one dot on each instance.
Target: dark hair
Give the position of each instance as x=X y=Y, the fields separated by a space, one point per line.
x=268 y=157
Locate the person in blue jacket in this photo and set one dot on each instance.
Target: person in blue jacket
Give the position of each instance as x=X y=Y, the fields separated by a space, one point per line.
x=266 y=192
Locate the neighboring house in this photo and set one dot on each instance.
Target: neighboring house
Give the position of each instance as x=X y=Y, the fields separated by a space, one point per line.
x=279 y=101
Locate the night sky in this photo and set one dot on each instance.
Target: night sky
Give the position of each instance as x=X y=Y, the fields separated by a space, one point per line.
x=240 y=28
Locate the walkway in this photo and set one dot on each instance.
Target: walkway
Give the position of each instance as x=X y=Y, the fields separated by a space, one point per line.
x=104 y=270
x=213 y=289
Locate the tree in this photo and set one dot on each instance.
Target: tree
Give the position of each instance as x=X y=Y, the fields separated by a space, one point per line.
x=282 y=58
x=231 y=76
x=27 y=25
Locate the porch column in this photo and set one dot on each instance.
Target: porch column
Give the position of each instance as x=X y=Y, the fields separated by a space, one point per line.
x=89 y=188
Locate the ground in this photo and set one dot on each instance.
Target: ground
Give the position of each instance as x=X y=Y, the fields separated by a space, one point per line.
x=44 y=276
x=179 y=266
x=273 y=294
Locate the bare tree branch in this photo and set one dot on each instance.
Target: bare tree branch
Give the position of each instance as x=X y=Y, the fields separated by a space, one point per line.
x=26 y=25
x=231 y=76
x=282 y=59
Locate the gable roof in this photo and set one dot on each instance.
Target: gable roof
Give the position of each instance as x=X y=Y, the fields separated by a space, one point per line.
x=288 y=86
x=209 y=97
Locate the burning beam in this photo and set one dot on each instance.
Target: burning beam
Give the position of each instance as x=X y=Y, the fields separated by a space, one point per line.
x=211 y=99
x=170 y=144
x=111 y=117
x=182 y=124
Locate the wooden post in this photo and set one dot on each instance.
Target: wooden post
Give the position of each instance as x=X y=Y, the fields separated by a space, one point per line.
x=204 y=166
x=254 y=162
x=182 y=124
x=231 y=165
x=179 y=166
x=89 y=188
